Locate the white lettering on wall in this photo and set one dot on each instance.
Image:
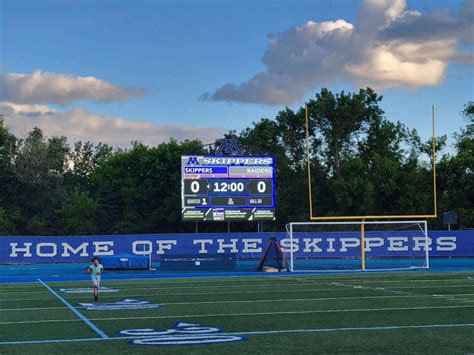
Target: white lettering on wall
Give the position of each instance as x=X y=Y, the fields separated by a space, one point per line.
x=446 y=243
x=331 y=245
x=164 y=245
x=232 y=246
x=397 y=243
x=420 y=244
x=68 y=249
x=373 y=242
x=103 y=248
x=252 y=245
x=41 y=250
x=349 y=243
x=203 y=242
x=142 y=247
x=286 y=245
x=15 y=249
x=311 y=245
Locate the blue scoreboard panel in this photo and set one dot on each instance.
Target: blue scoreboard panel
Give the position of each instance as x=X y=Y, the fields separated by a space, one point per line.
x=227 y=188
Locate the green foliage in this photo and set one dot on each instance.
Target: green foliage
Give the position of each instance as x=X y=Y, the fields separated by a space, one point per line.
x=457 y=173
x=8 y=152
x=139 y=190
x=77 y=214
x=7 y=223
x=340 y=119
x=361 y=163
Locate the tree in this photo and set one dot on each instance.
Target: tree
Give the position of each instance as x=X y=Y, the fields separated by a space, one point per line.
x=7 y=223
x=8 y=152
x=84 y=160
x=457 y=173
x=40 y=165
x=141 y=187
x=77 y=215
x=340 y=119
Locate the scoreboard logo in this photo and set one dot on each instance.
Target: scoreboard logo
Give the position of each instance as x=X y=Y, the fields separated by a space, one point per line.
x=192 y=161
x=245 y=161
x=237 y=161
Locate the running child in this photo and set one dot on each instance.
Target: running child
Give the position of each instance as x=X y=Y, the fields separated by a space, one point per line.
x=95 y=270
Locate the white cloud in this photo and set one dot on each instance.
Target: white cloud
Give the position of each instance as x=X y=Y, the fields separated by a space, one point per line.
x=52 y=88
x=25 y=108
x=388 y=46
x=24 y=99
x=295 y=60
x=401 y=65
x=80 y=124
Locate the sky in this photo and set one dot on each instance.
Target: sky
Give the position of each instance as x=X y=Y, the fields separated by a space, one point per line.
x=120 y=71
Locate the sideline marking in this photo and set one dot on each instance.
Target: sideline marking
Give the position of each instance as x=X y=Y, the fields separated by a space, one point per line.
x=245 y=314
x=263 y=332
x=75 y=311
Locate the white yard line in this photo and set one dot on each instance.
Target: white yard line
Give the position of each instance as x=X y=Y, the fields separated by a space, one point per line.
x=29 y=309
x=160 y=287
x=117 y=295
x=269 y=300
x=294 y=290
x=82 y=317
x=252 y=314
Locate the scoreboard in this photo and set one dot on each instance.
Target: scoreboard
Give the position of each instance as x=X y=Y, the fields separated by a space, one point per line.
x=228 y=188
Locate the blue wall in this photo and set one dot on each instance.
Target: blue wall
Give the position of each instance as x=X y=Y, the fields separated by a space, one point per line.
x=246 y=245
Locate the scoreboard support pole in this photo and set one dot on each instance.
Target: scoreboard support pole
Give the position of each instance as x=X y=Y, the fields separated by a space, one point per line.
x=196 y=228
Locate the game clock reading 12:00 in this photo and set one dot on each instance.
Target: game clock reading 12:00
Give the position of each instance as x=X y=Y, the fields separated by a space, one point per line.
x=227 y=188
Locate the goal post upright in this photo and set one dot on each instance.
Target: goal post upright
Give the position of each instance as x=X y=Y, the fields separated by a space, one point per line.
x=427 y=252
x=362 y=245
x=371 y=217
x=291 y=248
x=308 y=164
x=433 y=146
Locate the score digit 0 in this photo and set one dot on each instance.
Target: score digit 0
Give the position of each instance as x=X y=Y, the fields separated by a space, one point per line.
x=195 y=187
x=261 y=186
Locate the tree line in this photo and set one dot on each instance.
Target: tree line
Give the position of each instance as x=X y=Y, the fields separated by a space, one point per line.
x=361 y=163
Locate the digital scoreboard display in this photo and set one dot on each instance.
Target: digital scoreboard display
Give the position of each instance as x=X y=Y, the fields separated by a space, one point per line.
x=228 y=188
